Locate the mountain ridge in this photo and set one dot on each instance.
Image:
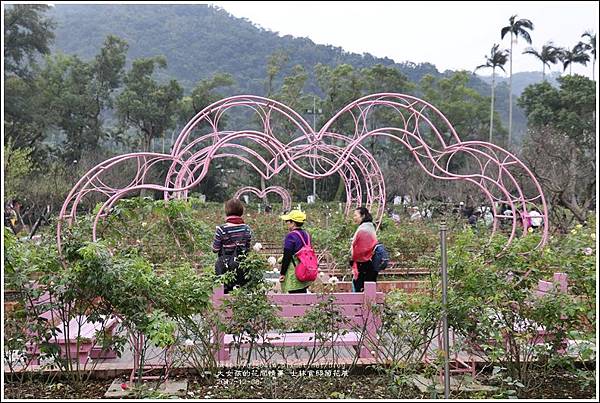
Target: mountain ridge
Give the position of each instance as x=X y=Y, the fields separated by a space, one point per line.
x=200 y=40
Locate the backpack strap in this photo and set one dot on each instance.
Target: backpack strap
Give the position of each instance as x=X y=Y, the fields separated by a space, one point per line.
x=301 y=238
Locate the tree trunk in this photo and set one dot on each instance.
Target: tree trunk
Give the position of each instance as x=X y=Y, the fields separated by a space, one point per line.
x=568 y=197
x=510 y=93
x=579 y=213
x=543 y=71
x=492 y=104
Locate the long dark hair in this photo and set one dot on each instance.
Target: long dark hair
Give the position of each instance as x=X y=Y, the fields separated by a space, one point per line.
x=364 y=213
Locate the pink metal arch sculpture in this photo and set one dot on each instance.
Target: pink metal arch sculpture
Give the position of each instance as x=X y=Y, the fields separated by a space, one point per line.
x=434 y=146
x=279 y=138
x=284 y=194
x=361 y=165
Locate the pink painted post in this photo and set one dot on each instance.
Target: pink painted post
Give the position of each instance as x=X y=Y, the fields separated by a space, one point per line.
x=136 y=341
x=217 y=299
x=557 y=285
x=544 y=287
x=561 y=279
x=370 y=299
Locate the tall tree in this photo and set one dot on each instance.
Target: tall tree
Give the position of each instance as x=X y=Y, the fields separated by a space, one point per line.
x=575 y=55
x=560 y=146
x=65 y=85
x=204 y=93
x=380 y=79
x=275 y=63
x=108 y=68
x=549 y=54
x=516 y=28
x=496 y=59
x=146 y=105
x=79 y=93
x=27 y=34
x=292 y=94
x=26 y=116
x=591 y=47
x=464 y=107
x=340 y=85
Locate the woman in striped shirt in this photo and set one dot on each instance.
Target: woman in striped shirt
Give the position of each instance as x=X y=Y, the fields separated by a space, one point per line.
x=231 y=243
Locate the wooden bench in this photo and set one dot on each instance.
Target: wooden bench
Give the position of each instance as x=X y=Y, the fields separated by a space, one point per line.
x=354 y=307
x=558 y=285
x=88 y=345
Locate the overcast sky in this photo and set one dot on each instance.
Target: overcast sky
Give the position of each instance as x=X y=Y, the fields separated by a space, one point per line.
x=451 y=35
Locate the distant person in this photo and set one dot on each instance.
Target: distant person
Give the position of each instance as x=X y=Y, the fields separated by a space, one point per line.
x=535 y=218
x=473 y=218
x=363 y=244
x=13 y=218
x=295 y=239
x=506 y=211
x=416 y=214
x=488 y=218
x=462 y=209
x=231 y=243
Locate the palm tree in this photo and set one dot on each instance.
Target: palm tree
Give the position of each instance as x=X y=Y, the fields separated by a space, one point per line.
x=576 y=55
x=497 y=58
x=591 y=46
x=516 y=29
x=549 y=55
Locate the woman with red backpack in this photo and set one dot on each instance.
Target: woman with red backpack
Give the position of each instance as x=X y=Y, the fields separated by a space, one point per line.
x=363 y=245
x=295 y=241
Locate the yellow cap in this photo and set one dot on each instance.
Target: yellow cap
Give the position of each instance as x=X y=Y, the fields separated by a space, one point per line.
x=294 y=215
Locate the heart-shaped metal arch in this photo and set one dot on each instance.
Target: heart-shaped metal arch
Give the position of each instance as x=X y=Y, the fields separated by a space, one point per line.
x=286 y=199
x=286 y=139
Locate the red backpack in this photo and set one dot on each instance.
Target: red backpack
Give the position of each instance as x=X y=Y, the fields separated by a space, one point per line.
x=308 y=268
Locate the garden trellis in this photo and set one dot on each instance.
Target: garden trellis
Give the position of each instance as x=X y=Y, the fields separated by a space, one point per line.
x=334 y=149
x=286 y=199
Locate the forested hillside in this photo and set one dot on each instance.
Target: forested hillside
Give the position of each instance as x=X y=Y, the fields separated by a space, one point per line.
x=200 y=41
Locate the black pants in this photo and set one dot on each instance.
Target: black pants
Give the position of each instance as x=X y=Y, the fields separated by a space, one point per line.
x=365 y=273
x=300 y=291
x=226 y=264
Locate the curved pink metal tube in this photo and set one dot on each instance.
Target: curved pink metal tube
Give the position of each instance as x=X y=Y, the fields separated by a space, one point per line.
x=422 y=129
x=368 y=170
x=284 y=194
